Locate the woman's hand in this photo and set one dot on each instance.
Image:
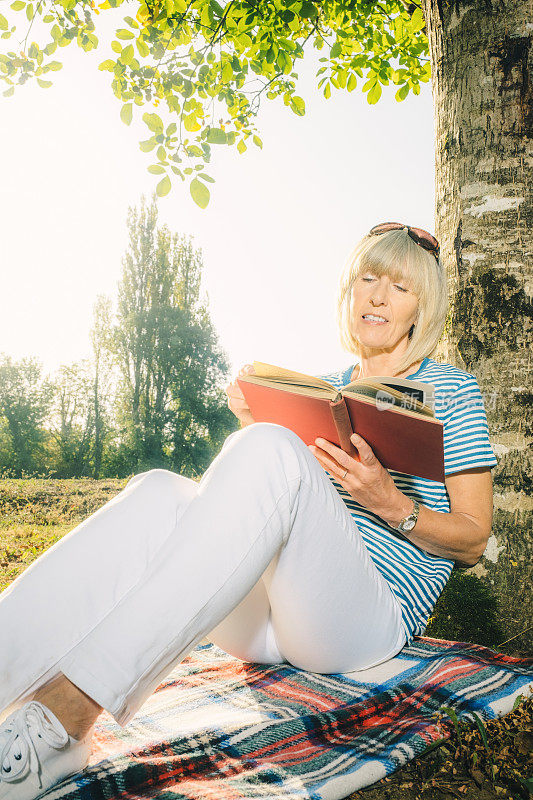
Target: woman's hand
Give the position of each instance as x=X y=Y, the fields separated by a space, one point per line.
x=366 y=479
x=236 y=402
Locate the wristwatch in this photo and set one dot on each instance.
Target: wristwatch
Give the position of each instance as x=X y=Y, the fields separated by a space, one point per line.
x=409 y=522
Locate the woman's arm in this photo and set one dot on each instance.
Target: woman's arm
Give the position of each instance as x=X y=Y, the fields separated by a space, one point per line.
x=460 y=534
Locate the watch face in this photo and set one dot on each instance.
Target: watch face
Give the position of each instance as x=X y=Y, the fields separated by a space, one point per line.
x=409 y=525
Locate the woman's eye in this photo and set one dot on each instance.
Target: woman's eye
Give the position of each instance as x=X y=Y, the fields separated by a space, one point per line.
x=368 y=278
x=401 y=288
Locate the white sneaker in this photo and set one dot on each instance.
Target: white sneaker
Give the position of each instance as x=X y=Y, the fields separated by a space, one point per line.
x=36 y=752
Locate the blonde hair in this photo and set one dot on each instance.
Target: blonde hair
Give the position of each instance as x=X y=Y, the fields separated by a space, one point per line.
x=399 y=257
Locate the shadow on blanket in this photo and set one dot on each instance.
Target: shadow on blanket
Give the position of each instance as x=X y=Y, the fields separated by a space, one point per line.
x=223 y=729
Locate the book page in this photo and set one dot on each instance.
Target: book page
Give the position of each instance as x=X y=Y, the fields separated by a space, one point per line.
x=385 y=395
x=287 y=376
x=416 y=394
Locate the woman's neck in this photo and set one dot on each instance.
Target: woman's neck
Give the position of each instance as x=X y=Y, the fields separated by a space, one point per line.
x=367 y=367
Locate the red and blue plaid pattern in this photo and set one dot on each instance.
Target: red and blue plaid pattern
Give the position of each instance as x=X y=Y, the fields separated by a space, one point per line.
x=223 y=729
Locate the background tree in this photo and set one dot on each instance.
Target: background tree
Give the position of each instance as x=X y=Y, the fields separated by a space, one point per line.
x=25 y=402
x=72 y=424
x=167 y=354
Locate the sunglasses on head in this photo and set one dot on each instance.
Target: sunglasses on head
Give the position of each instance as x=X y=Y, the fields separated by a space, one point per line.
x=418 y=235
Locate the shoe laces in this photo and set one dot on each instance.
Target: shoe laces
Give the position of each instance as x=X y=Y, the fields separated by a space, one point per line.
x=18 y=750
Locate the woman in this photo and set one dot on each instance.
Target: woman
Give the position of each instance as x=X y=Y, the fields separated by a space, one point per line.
x=280 y=553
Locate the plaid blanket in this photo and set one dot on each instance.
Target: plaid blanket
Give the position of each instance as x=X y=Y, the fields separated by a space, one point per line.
x=223 y=729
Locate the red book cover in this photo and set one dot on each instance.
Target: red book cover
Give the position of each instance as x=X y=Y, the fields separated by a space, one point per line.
x=401 y=442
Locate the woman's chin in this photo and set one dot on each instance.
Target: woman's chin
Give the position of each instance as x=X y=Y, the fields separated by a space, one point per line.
x=374 y=338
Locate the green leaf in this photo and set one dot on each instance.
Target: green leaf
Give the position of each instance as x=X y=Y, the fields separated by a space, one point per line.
x=453 y=716
x=172 y=128
x=126 y=113
x=127 y=54
x=108 y=64
x=481 y=728
x=402 y=93
x=199 y=193
x=307 y=10
x=154 y=122
x=226 y=73
x=417 y=20
x=257 y=141
x=147 y=145
x=122 y=33
x=44 y=84
x=216 y=136
x=142 y=47
x=298 y=106
x=18 y=5
x=241 y=147
x=191 y=123
x=163 y=187
x=3 y=23
x=206 y=177
x=374 y=94
x=9 y=92
x=116 y=47
x=336 y=50
x=352 y=82
x=54 y=66
x=156 y=169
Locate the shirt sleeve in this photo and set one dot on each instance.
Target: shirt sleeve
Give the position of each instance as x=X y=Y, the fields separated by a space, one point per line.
x=466 y=432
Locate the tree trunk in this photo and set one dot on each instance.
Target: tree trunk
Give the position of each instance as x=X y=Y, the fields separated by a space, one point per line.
x=481 y=58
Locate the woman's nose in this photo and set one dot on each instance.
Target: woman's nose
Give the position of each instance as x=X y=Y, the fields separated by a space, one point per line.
x=378 y=296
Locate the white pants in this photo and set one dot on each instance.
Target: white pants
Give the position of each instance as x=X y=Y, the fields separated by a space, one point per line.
x=261 y=557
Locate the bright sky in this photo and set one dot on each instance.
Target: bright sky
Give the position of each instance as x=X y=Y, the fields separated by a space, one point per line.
x=274 y=237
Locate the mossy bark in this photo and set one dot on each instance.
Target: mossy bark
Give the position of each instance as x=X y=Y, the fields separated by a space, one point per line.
x=482 y=58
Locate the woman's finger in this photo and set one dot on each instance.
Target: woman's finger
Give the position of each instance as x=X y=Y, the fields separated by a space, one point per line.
x=366 y=454
x=338 y=455
x=328 y=463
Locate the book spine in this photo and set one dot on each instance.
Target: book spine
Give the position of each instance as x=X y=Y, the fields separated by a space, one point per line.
x=343 y=424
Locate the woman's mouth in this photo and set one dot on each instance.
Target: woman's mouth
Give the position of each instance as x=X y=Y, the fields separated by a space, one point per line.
x=374 y=319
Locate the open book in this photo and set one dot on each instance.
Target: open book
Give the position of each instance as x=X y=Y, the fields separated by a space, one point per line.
x=394 y=415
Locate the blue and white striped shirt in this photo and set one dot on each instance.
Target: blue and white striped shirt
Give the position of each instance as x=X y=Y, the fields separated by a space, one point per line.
x=417 y=578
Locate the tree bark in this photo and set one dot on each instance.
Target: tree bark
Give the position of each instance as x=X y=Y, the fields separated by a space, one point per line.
x=481 y=58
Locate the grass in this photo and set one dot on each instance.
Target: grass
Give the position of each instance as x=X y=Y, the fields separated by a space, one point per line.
x=484 y=762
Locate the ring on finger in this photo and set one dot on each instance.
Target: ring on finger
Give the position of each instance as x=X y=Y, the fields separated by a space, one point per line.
x=345 y=474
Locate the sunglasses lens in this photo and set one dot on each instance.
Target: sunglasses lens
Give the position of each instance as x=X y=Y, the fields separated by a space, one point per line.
x=383 y=227
x=425 y=239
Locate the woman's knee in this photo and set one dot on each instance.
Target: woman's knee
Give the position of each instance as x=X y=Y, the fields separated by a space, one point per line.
x=266 y=434
x=160 y=480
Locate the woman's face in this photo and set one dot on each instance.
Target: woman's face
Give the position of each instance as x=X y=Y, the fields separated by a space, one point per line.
x=382 y=312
